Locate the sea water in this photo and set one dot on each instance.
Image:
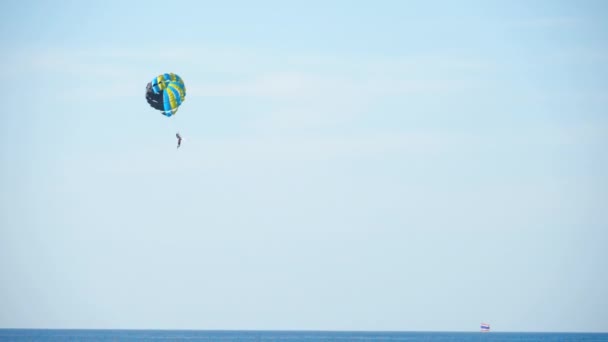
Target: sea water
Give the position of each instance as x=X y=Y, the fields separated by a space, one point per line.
x=290 y=336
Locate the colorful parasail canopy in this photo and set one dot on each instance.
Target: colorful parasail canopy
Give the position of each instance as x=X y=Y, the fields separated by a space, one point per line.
x=166 y=93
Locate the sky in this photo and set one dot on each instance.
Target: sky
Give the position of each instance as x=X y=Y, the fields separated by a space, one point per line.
x=377 y=165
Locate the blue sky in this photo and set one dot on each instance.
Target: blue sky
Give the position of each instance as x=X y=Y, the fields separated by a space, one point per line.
x=384 y=165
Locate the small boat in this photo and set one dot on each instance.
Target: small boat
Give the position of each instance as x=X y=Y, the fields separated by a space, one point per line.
x=485 y=327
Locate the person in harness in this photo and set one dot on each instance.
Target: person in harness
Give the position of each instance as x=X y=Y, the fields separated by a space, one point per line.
x=179 y=139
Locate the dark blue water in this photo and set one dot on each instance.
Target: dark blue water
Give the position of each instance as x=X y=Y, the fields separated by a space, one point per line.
x=291 y=336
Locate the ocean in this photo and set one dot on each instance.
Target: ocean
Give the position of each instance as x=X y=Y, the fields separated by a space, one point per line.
x=22 y=335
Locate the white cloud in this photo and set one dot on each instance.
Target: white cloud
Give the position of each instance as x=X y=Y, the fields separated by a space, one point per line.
x=313 y=85
x=271 y=72
x=281 y=149
x=301 y=90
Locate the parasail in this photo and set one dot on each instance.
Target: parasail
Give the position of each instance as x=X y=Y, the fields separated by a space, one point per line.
x=166 y=93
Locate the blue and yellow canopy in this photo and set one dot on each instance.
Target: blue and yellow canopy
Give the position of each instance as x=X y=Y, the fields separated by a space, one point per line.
x=166 y=93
